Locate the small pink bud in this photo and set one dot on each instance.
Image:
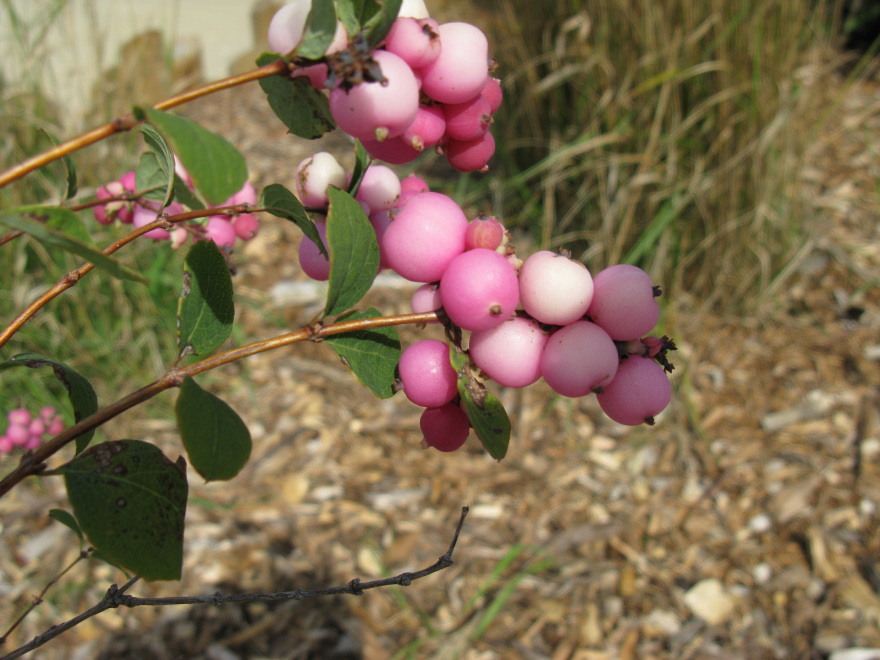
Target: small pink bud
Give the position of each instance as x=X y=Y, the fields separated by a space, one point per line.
x=37 y=427
x=56 y=426
x=19 y=417
x=17 y=434
x=6 y=445
x=32 y=443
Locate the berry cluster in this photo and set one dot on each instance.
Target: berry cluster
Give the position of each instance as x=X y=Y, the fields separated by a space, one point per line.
x=544 y=317
x=26 y=431
x=224 y=230
x=433 y=87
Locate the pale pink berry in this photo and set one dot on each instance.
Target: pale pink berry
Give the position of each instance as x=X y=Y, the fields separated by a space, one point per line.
x=6 y=445
x=415 y=41
x=445 y=428
x=639 y=392
x=578 y=359
x=479 y=289
x=554 y=289
x=144 y=216
x=220 y=230
x=287 y=25
x=36 y=427
x=375 y=110
x=379 y=189
x=18 y=434
x=426 y=299
x=510 y=353
x=471 y=155
x=32 y=442
x=247 y=195
x=461 y=70
x=56 y=426
x=129 y=180
x=313 y=263
x=315 y=175
x=425 y=236
x=623 y=302
x=426 y=374
x=413 y=8
x=179 y=236
x=19 y=417
x=381 y=220
x=413 y=183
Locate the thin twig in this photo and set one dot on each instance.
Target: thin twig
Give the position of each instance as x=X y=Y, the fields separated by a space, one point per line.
x=127 y=122
x=116 y=596
x=33 y=462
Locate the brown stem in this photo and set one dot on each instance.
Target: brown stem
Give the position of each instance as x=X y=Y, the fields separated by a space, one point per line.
x=127 y=122
x=33 y=462
x=74 y=276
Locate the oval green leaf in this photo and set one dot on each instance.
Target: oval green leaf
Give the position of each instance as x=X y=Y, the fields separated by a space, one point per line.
x=62 y=228
x=320 y=29
x=66 y=518
x=205 y=309
x=217 y=169
x=216 y=439
x=354 y=252
x=156 y=167
x=130 y=501
x=301 y=108
x=282 y=203
x=82 y=395
x=486 y=414
x=372 y=355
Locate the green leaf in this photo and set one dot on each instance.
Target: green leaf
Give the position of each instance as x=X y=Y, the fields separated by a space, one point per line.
x=361 y=163
x=62 y=228
x=66 y=518
x=130 y=501
x=354 y=252
x=301 y=108
x=217 y=441
x=372 y=355
x=82 y=396
x=350 y=13
x=185 y=196
x=379 y=24
x=282 y=203
x=487 y=417
x=156 y=168
x=217 y=169
x=205 y=309
x=319 y=32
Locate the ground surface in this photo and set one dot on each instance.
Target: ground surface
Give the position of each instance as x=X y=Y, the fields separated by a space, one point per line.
x=743 y=525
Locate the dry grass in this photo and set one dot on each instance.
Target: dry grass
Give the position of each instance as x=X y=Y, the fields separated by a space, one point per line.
x=664 y=134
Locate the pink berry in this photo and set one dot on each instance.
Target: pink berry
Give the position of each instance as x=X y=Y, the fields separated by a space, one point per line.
x=639 y=392
x=623 y=302
x=510 y=353
x=56 y=426
x=484 y=232
x=578 y=359
x=479 y=289
x=468 y=120
x=18 y=434
x=426 y=299
x=379 y=189
x=313 y=263
x=6 y=445
x=179 y=236
x=427 y=129
x=427 y=377
x=36 y=427
x=246 y=226
x=415 y=41
x=381 y=220
x=220 y=230
x=144 y=216
x=19 y=417
x=445 y=428
x=393 y=150
x=287 y=25
x=425 y=236
x=375 y=110
x=32 y=442
x=314 y=175
x=461 y=70
x=492 y=93
x=554 y=289
x=413 y=183
x=471 y=155
x=247 y=195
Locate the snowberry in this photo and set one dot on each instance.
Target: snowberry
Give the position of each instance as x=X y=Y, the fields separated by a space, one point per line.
x=427 y=377
x=313 y=263
x=287 y=25
x=413 y=9
x=638 y=392
x=220 y=230
x=461 y=70
x=426 y=299
x=471 y=155
x=492 y=93
x=554 y=289
x=425 y=236
x=246 y=226
x=144 y=216
x=396 y=150
x=415 y=41
x=314 y=175
x=379 y=189
x=510 y=353
x=578 y=359
x=375 y=110
x=469 y=120
x=427 y=129
x=479 y=289
x=484 y=232
x=623 y=302
x=445 y=428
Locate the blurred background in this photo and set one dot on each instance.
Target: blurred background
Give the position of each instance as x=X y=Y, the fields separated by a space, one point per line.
x=730 y=149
